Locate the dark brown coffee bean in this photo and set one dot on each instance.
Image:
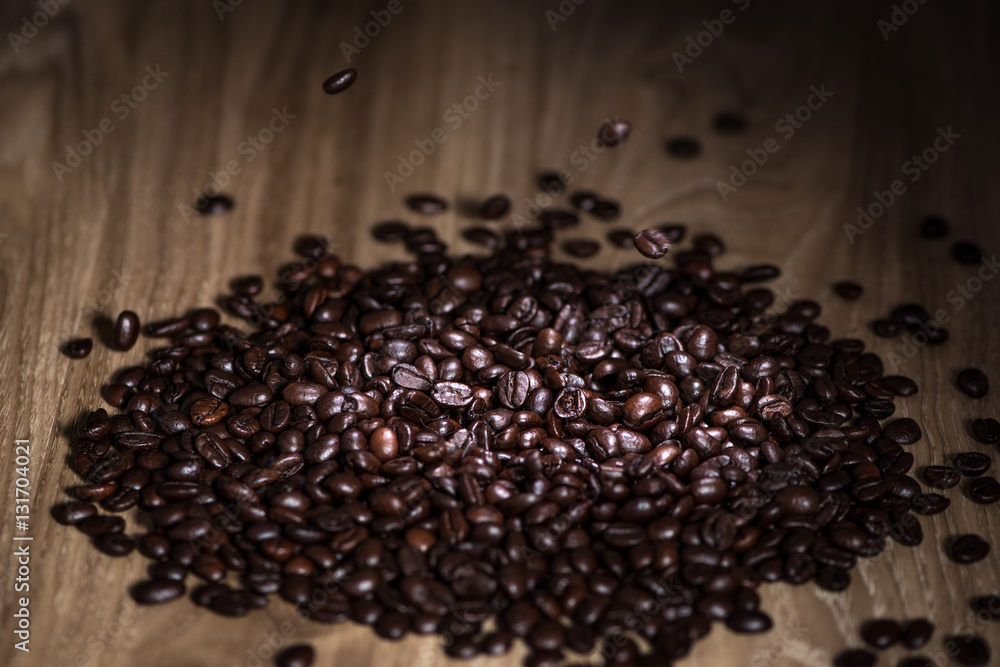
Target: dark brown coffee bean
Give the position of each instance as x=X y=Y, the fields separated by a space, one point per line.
x=848 y=289
x=683 y=147
x=881 y=633
x=390 y=231
x=969 y=650
x=126 y=331
x=157 y=591
x=339 y=82
x=972 y=464
x=495 y=207
x=72 y=513
x=621 y=238
x=614 y=132
x=889 y=328
x=78 y=348
x=749 y=622
x=581 y=247
x=300 y=655
x=584 y=200
x=966 y=549
x=929 y=503
x=482 y=236
x=855 y=657
x=917 y=633
x=934 y=227
x=986 y=607
x=916 y=661
x=973 y=382
x=652 y=243
x=986 y=430
x=729 y=122
x=903 y=431
x=218 y=204
x=941 y=477
x=552 y=183
x=984 y=490
x=900 y=385
x=967 y=252
x=426 y=204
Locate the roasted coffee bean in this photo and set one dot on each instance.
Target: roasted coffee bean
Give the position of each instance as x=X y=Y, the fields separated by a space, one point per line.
x=972 y=464
x=900 y=385
x=72 y=513
x=494 y=207
x=652 y=243
x=157 y=591
x=889 y=327
x=749 y=622
x=855 y=657
x=967 y=252
x=966 y=549
x=683 y=147
x=614 y=132
x=941 y=477
x=929 y=503
x=78 y=348
x=986 y=430
x=934 y=227
x=482 y=236
x=339 y=82
x=581 y=247
x=552 y=183
x=973 y=382
x=984 y=490
x=218 y=204
x=584 y=200
x=126 y=331
x=916 y=661
x=881 y=633
x=390 y=231
x=848 y=289
x=622 y=238
x=729 y=122
x=299 y=655
x=969 y=650
x=917 y=633
x=986 y=607
x=426 y=204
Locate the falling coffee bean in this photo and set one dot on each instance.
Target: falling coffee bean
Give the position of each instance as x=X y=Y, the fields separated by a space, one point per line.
x=339 y=82
x=652 y=243
x=552 y=183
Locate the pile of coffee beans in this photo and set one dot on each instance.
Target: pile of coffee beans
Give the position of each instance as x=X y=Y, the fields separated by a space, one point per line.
x=506 y=447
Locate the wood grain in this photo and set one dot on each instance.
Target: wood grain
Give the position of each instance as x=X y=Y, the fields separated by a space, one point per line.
x=112 y=232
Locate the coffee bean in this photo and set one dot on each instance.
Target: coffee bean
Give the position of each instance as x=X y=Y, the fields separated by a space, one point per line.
x=621 y=238
x=652 y=243
x=916 y=661
x=614 y=132
x=967 y=252
x=390 y=231
x=986 y=430
x=494 y=207
x=889 y=328
x=555 y=218
x=986 y=607
x=929 y=503
x=126 y=331
x=606 y=210
x=917 y=633
x=966 y=549
x=941 y=477
x=72 y=513
x=881 y=633
x=903 y=431
x=299 y=655
x=157 y=591
x=900 y=385
x=218 y=204
x=426 y=204
x=78 y=348
x=855 y=657
x=973 y=382
x=934 y=227
x=970 y=650
x=584 y=200
x=581 y=247
x=972 y=464
x=552 y=183
x=984 y=490
x=749 y=622
x=848 y=289
x=339 y=82
x=728 y=122
x=683 y=147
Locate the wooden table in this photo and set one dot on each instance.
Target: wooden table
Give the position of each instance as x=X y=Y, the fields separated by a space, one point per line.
x=109 y=229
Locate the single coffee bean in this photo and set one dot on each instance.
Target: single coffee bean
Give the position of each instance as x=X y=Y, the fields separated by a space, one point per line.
x=390 y=231
x=984 y=490
x=916 y=661
x=482 y=236
x=495 y=207
x=917 y=633
x=614 y=132
x=157 y=591
x=72 y=513
x=986 y=430
x=426 y=204
x=339 y=82
x=972 y=464
x=900 y=385
x=126 y=331
x=934 y=227
x=973 y=382
x=855 y=657
x=888 y=328
x=78 y=348
x=969 y=650
x=929 y=503
x=218 y=204
x=848 y=289
x=552 y=183
x=622 y=238
x=299 y=655
x=749 y=622
x=881 y=633
x=683 y=147
x=584 y=200
x=941 y=477
x=581 y=247
x=966 y=252
x=652 y=243
x=729 y=122
x=986 y=607
x=970 y=548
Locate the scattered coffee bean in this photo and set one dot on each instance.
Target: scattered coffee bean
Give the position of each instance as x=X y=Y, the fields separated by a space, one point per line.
x=972 y=464
x=969 y=650
x=652 y=243
x=934 y=227
x=581 y=247
x=683 y=147
x=614 y=132
x=917 y=633
x=848 y=289
x=973 y=382
x=917 y=661
x=929 y=503
x=855 y=657
x=889 y=327
x=300 y=655
x=213 y=204
x=495 y=207
x=584 y=200
x=552 y=183
x=339 y=82
x=881 y=633
x=986 y=607
x=966 y=549
x=986 y=430
x=966 y=252
x=621 y=238
x=482 y=236
x=900 y=385
x=126 y=331
x=984 y=490
x=78 y=348
x=941 y=477
x=426 y=204
x=729 y=122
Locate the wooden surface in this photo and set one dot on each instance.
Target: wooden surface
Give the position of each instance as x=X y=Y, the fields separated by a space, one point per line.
x=112 y=234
